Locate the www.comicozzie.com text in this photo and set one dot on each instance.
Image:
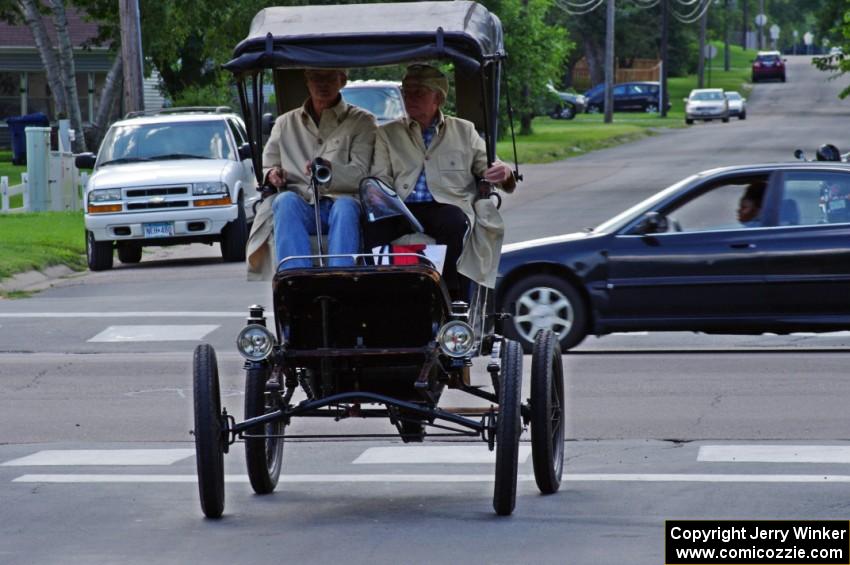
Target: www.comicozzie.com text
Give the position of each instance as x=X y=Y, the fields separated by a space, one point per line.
x=727 y=534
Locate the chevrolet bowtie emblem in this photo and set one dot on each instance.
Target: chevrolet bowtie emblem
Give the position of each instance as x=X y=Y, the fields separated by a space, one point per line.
x=156 y=200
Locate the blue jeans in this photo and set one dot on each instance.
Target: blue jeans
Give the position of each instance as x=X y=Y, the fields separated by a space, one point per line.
x=295 y=222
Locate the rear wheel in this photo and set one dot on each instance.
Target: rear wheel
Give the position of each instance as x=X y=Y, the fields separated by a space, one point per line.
x=547 y=412
x=508 y=428
x=263 y=456
x=651 y=108
x=689 y=121
x=545 y=301
x=209 y=431
x=234 y=236
x=725 y=120
x=98 y=253
x=742 y=116
x=129 y=253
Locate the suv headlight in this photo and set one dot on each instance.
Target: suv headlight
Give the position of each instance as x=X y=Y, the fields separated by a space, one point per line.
x=456 y=339
x=105 y=195
x=255 y=342
x=201 y=188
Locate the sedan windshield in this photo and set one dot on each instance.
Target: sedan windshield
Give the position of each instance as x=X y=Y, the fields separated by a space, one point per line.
x=384 y=103
x=707 y=96
x=188 y=140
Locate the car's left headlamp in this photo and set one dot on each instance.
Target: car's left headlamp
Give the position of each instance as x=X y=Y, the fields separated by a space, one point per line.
x=255 y=342
x=456 y=339
x=202 y=188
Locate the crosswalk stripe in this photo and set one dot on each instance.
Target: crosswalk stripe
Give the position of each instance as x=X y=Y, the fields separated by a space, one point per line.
x=85 y=457
x=154 y=333
x=774 y=453
x=456 y=478
x=433 y=454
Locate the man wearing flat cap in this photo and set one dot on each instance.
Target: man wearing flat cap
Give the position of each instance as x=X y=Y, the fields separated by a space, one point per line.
x=434 y=163
x=324 y=126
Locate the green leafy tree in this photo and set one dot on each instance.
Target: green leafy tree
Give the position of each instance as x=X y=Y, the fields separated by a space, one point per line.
x=839 y=63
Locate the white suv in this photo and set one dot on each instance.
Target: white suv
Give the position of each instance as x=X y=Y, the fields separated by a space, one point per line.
x=180 y=175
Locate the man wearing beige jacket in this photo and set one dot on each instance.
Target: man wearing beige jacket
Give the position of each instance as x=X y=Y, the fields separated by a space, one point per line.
x=325 y=126
x=433 y=162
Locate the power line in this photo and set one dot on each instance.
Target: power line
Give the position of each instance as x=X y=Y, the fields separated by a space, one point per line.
x=694 y=16
x=562 y=4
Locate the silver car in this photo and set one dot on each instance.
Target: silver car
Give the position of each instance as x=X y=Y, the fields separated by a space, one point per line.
x=737 y=105
x=706 y=104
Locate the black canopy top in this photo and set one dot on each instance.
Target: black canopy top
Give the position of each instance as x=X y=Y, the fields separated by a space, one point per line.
x=356 y=35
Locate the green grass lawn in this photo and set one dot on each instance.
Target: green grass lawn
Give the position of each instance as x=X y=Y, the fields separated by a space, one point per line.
x=554 y=140
x=7 y=169
x=36 y=241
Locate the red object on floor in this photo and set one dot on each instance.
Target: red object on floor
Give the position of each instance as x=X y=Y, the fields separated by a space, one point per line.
x=406 y=259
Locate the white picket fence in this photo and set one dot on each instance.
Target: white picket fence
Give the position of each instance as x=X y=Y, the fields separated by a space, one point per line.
x=67 y=186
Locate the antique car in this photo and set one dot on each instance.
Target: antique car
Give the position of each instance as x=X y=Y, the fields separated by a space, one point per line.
x=376 y=340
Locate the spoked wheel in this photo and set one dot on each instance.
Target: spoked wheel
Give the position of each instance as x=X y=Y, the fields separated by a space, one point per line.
x=209 y=431
x=508 y=428
x=264 y=456
x=547 y=412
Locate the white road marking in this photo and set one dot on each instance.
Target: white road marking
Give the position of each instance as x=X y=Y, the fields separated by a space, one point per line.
x=124 y=314
x=775 y=453
x=631 y=334
x=433 y=454
x=423 y=478
x=123 y=457
x=153 y=333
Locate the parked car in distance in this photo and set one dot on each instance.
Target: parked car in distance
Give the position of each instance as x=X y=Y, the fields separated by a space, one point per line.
x=687 y=259
x=380 y=97
x=706 y=104
x=178 y=175
x=737 y=104
x=768 y=65
x=628 y=97
x=565 y=105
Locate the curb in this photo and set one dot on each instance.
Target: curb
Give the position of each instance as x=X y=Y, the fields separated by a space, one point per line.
x=35 y=280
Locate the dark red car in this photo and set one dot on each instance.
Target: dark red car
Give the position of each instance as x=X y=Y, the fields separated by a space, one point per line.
x=768 y=65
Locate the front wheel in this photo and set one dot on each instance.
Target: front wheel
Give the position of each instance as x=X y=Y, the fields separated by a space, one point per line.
x=508 y=428
x=234 y=236
x=98 y=253
x=545 y=302
x=651 y=108
x=129 y=253
x=742 y=116
x=263 y=455
x=725 y=120
x=210 y=437
x=547 y=412
x=689 y=121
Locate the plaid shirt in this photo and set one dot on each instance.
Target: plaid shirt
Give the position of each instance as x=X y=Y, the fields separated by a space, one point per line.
x=420 y=191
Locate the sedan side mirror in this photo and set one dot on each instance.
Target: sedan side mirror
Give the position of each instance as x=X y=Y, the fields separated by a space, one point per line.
x=653 y=222
x=244 y=151
x=85 y=160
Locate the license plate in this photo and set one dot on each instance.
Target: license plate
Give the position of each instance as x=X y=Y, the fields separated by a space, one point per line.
x=159 y=229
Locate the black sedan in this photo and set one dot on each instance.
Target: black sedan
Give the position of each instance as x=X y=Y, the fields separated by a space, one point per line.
x=740 y=250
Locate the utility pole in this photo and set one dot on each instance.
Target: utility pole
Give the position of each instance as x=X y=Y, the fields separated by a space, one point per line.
x=665 y=25
x=745 y=24
x=761 y=27
x=131 y=55
x=726 y=16
x=609 y=64
x=703 y=24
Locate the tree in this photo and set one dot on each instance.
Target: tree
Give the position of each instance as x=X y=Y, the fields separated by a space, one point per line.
x=838 y=64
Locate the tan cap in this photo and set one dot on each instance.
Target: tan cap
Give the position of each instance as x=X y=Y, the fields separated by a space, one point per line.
x=427 y=76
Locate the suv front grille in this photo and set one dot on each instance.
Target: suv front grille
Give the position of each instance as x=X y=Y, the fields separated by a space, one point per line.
x=136 y=193
x=153 y=205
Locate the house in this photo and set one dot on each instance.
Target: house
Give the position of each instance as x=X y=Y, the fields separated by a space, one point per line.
x=23 y=83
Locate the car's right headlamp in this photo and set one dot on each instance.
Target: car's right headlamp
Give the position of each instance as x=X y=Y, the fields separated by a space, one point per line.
x=456 y=339
x=255 y=342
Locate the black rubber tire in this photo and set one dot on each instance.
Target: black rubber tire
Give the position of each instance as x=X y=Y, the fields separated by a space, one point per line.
x=413 y=432
x=514 y=328
x=742 y=116
x=234 y=236
x=98 y=253
x=689 y=122
x=508 y=428
x=264 y=457
x=725 y=120
x=547 y=412
x=129 y=253
x=209 y=437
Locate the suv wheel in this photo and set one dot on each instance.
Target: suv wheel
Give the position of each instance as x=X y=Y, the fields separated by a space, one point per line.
x=129 y=252
x=98 y=253
x=651 y=108
x=234 y=236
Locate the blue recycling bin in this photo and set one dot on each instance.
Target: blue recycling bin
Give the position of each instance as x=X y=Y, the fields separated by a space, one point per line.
x=17 y=128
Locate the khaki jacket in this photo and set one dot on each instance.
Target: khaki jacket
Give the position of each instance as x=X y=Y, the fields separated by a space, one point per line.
x=345 y=136
x=456 y=156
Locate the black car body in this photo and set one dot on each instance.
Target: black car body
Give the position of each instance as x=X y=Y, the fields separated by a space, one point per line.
x=628 y=97
x=681 y=261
